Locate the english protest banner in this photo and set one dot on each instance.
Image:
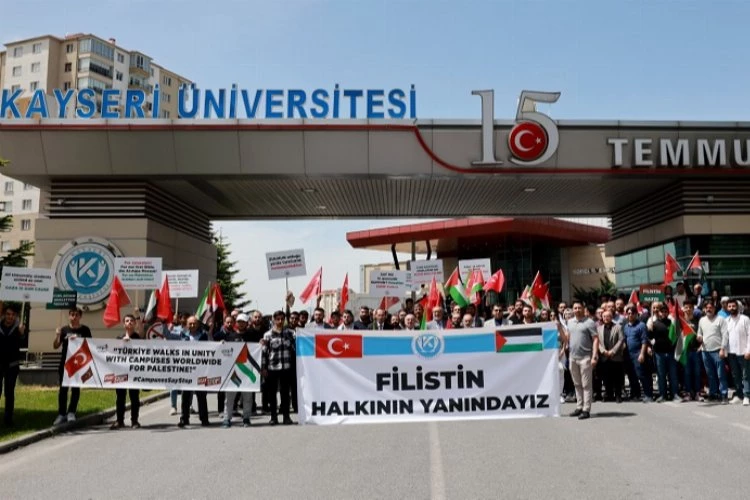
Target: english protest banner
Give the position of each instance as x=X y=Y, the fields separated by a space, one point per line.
x=139 y=273
x=422 y=272
x=183 y=283
x=465 y=267
x=26 y=284
x=162 y=364
x=510 y=372
x=390 y=283
x=286 y=264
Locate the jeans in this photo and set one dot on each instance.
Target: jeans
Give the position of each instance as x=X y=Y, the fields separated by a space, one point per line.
x=173 y=398
x=8 y=376
x=693 y=382
x=643 y=373
x=583 y=380
x=666 y=367
x=717 y=377
x=741 y=374
x=135 y=404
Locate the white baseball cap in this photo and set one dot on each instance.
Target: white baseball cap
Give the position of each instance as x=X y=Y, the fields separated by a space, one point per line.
x=242 y=317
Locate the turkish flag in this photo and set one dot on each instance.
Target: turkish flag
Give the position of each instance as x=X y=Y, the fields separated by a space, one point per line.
x=338 y=346
x=496 y=282
x=388 y=302
x=313 y=288
x=344 y=293
x=670 y=267
x=79 y=359
x=118 y=298
x=164 y=303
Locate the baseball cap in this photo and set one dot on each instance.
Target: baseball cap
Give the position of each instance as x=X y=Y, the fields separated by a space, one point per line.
x=242 y=317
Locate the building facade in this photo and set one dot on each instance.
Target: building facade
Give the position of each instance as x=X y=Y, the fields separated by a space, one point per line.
x=75 y=61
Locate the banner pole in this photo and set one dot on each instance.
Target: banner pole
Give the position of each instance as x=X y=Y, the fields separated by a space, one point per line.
x=177 y=305
x=23 y=312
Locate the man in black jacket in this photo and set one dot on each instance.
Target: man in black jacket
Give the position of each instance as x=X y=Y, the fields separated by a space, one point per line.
x=73 y=329
x=11 y=333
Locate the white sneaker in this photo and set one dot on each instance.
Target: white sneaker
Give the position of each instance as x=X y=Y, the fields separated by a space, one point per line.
x=562 y=400
x=173 y=411
x=71 y=417
x=59 y=420
x=736 y=400
x=746 y=401
x=221 y=416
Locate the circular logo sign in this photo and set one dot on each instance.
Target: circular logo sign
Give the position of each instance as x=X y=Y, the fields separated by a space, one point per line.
x=87 y=265
x=427 y=345
x=527 y=141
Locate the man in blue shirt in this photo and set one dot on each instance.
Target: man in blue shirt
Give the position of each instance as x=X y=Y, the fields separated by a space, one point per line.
x=636 y=338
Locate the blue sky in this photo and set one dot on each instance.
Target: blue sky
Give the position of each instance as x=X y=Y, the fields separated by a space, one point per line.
x=668 y=60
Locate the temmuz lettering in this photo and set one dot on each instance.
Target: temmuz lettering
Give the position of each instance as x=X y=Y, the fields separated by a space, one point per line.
x=697 y=153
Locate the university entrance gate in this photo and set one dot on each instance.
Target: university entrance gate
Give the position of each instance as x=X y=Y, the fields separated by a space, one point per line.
x=140 y=187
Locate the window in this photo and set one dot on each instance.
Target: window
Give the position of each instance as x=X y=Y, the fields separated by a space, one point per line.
x=167 y=80
x=26 y=205
x=36 y=48
x=140 y=61
x=15 y=87
x=68 y=67
x=152 y=71
x=120 y=58
x=118 y=76
x=25 y=224
x=18 y=52
x=7 y=206
x=27 y=186
x=96 y=47
x=34 y=85
x=35 y=67
x=25 y=242
x=16 y=70
x=166 y=98
x=69 y=48
x=66 y=85
x=5 y=246
x=91 y=83
x=165 y=113
x=9 y=187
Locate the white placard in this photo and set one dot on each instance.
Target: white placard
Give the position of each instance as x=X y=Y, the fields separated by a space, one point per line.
x=286 y=264
x=422 y=272
x=390 y=283
x=139 y=273
x=182 y=284
x=465 y=267
x=26 y=284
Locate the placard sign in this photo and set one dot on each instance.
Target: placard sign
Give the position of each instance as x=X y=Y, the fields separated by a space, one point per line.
x=182 y=284
x=139 y=273
x=422 y=272
x=651 y=293
x=465 y=267
x=286 y=264
x=63 y=300
x=390 y=283
x=25 y=284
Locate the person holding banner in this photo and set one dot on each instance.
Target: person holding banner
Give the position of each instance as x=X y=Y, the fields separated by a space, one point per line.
x=227 y=328
x=133 y=331
x=278 y=357
x=194 y=334
x=11 y=333
x=73 y=329
x=230 y=396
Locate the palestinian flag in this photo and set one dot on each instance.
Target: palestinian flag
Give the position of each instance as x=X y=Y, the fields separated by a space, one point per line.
x=681 y=334
x=519 y=340
x=455 y=289
x=236 y=380
x=204 y=306
x=246 y=364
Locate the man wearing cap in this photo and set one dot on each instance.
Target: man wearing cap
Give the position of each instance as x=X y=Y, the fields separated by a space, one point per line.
x=231 y=396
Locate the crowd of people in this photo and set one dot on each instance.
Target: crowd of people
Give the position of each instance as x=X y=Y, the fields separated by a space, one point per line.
x=600 y=346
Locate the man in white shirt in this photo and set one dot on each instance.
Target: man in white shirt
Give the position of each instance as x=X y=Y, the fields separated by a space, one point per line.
x=714 y=334
x=347 y=321
x=739 y=352
x=497 y=319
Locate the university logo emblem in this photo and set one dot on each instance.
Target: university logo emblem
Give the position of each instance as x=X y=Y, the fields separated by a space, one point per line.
x=86 y=265
x=427 y=345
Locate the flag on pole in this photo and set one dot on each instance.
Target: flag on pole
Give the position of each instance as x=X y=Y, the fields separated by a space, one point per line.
x=474 y=285
x=164 y=302
x=204 y=305
x=118 y=298
x=150 y=313
x=455 y=289
x=695 y=263
x=344 y=294
x=313 y=288
x=681 y=333
x=671 y=266
x=496 y=282
x=388 y=302
x=636 y=301
x=433 y=300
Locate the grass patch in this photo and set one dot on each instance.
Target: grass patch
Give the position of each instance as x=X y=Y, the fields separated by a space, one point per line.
x=36 y=408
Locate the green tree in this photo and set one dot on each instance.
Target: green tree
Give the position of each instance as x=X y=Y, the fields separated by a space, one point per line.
x=226 y=272
x=590 y=296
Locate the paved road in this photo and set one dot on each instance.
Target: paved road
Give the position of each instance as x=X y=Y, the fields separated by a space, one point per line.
x=630 y=450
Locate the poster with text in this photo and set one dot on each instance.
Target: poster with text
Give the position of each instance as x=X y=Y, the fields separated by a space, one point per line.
x=465 y=267
x=139 y=273
x=183 y=284
x=422 y=272
x=390 y=283
x=26 y=284
x=286 y=264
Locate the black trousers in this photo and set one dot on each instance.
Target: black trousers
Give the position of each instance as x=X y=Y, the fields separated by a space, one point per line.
x=187 y=400
x=294 y=388
x=279 y=381
x=221 y=397
x=135 y=404
x=613 y=374
x=8 y=376
x=62 y=398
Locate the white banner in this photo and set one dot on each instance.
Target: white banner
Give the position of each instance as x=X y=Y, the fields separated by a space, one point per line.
x=26 y=284
x=139 y=273
x=353 y=377
x=465 y=267
x=422 y=272
x=162 y=364
x=182 y=284
x=390 y=283
x=286 y=264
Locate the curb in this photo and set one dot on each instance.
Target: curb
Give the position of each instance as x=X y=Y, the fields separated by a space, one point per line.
x=88 y=420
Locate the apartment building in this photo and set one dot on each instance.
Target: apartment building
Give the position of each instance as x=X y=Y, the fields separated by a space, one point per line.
x=77 y=61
